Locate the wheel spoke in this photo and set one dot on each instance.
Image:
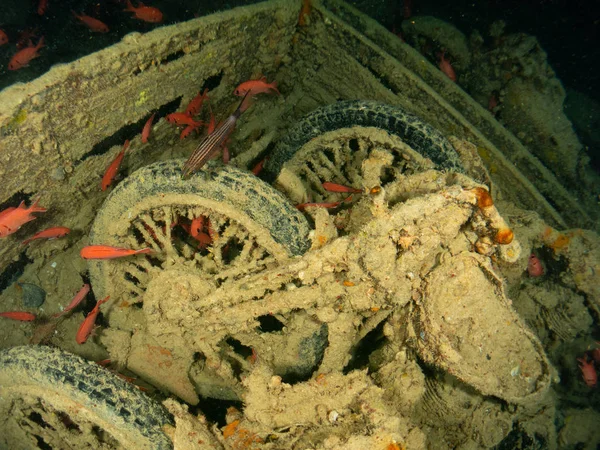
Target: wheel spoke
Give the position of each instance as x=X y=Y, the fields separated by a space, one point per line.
x=148 y=233
x=337 y=173
x=312 y=178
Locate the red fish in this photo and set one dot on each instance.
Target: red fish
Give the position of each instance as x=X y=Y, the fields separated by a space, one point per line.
x=145 y=13
x=108 y=252
x=18 y=315
x=182 y=119
x=256 y=87
x=446 y=67
x=211 y=123
x=197 y=226
x=42 y=5
x=76 y=300
x=48 y=233
x=147 y=129
x=93 y=24
x=111 y=171
x=11 y=219
x=195 y=105
x=3 y=37
x=86 y=327
x=187 y=131
x=23 y=57
x=196 y=230
x=334 y=187
x=588 y=372
x=534 y=266
x=257 y=169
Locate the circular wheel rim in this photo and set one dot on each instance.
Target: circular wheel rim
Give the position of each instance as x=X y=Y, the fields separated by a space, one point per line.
x=358 y=157
x=232 y=236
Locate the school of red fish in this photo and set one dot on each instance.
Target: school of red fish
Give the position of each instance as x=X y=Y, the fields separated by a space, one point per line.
x=27 y=51
x=13 y=218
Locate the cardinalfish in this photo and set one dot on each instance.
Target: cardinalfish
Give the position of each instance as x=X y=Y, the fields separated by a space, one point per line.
x=81 y=294
x=109 y=252
x=147 y=129
x=87 y=326
x=11 y=219
x=335 y=187
x=113 y=168
x=254 y=87
x=48 y=233
x=195 y=105
x=148 y=14
x=18 y=315
x=211 y=143
x=92 y=23
x=24 y=56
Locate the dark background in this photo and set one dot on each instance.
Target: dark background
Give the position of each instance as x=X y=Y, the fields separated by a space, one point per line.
x=566 y=29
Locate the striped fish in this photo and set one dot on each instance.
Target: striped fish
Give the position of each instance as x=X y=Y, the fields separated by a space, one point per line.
x=211 y=143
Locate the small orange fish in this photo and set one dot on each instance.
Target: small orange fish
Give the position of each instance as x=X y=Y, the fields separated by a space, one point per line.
x=147 y=129
x=446 y=67
x=257 y=169
x=211 y=123
x=42 y=5
x=113 y=168
x=48 y=233
x=182 y=119
x=3 y=37
x=145 y=13
x=256 y=87
x=189 y=129
x=196 y=230
x=109 y=252
x=92 y=23
x=76 y=300
x=335 y=187
x=18 y=315
x=11 y=219
x=197 y=226
x=195 y=105
x=86 y=327
x=23 y=57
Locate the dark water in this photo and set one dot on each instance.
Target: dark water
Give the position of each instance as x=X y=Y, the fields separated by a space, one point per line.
x=67 y=39
x=567 y=29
